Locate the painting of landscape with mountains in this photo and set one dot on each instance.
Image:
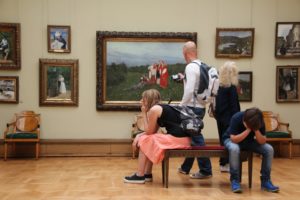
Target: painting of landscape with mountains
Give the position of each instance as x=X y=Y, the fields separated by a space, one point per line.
x=234 y=43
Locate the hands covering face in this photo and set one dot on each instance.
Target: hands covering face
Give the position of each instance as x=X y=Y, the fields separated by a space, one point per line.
x=246 y=126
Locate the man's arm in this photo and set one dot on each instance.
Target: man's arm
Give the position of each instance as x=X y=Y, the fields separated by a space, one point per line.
x=260 y=138
x=189 y=84
x=240 y=137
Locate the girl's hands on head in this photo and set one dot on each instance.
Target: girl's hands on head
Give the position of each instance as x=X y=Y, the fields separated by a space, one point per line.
x=143 y=106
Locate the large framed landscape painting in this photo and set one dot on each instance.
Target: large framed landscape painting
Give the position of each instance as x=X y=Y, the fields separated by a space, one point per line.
x=10 y=46
x=287 y=83
x=287 y=40
x=234 y=42
x=129 y=63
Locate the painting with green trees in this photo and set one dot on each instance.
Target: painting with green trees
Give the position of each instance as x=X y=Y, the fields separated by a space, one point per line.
x=132 y=67
x=59 y=82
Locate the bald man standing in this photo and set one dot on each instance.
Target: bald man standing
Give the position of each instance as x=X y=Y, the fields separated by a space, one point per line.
x=191 y=80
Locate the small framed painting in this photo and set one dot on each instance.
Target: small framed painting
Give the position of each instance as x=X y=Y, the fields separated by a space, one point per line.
x=10 y=50
x=9 y=89
x=58 y=82
x=287 y=40
x=59 y=39
x=244 y=87
x=287 y=83
x=234 y=42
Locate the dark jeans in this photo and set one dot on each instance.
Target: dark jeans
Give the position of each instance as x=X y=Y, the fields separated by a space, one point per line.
x=221 y=130
x=203 y=162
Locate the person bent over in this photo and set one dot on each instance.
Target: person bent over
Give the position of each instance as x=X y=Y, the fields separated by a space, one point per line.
x=247 y=132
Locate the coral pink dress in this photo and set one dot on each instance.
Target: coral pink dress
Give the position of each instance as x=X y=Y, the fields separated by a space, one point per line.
x=154 y=145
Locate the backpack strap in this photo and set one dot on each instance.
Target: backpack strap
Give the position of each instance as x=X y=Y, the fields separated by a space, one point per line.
x=203 y=80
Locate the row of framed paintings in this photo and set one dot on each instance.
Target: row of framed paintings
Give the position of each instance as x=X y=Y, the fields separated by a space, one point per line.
x=238 y=43
x=230 y=42
x=58 y=39
x=130 y=62
x=59 y=84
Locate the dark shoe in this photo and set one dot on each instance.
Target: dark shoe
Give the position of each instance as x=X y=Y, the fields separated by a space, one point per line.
x=236 y=187
x=199 y=175
x=134 y=179
x=268 y=186
x=148 y=177
x=180 y=170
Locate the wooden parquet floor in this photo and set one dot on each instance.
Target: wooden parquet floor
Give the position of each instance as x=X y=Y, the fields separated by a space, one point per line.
x=101 y=178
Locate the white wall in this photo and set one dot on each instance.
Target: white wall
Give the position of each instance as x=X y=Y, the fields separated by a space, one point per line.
x=88 y=16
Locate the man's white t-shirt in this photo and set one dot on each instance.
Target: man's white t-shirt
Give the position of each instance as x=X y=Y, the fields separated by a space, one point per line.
x=191 y=82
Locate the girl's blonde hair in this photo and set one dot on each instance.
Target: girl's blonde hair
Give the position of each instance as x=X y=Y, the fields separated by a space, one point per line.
x=228 y=74
x=152 y=96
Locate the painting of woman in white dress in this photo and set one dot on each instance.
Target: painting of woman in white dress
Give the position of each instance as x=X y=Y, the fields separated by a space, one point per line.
x=62 y=85
x=59 y=80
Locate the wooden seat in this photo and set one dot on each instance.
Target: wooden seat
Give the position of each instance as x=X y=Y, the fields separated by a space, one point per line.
x=204 y=151
x=25 y=127
x=277 y=131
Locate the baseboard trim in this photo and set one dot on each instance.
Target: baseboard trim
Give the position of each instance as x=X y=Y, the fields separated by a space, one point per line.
x=100 y=148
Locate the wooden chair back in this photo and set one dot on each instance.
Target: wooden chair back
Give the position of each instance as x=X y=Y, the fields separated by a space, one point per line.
x=26 y=121
x=271 y=121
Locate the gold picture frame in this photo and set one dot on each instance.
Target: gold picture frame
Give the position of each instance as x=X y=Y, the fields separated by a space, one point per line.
x=244 y=88
x=125 y=65
x=9 y=89
x=58 y=82
x=287 y=44
x=287 y=83
x=234 y=42
x=10 y=46
x=59 y=39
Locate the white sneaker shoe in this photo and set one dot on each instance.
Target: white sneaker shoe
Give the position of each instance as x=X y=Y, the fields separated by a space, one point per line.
x=224 y=168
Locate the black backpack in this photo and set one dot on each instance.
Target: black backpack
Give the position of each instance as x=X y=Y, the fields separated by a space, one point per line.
x=208 y=84
x=190 y=123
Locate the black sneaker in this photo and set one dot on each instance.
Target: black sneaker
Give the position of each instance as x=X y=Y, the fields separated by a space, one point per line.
x=148 y=177
x=134 y=179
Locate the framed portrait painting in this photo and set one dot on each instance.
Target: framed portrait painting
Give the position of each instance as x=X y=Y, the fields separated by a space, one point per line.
x=244 y=88
x=287 y=83
x=9 y=89
x=58 y=82
x=129 y=63
x=59 y=39
x=10 y=50
x=287 y=40
x=234 y=42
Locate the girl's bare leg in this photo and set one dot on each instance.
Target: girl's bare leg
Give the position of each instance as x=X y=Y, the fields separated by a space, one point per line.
x=148 y=169
x=142 y=162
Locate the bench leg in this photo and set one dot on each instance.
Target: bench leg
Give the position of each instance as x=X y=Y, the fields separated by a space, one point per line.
x=241 y=170
x=166 y=171
x=250 y=165
x=163 y=172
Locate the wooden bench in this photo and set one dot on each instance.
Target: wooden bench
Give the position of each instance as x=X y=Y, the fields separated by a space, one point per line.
x=204 y=151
